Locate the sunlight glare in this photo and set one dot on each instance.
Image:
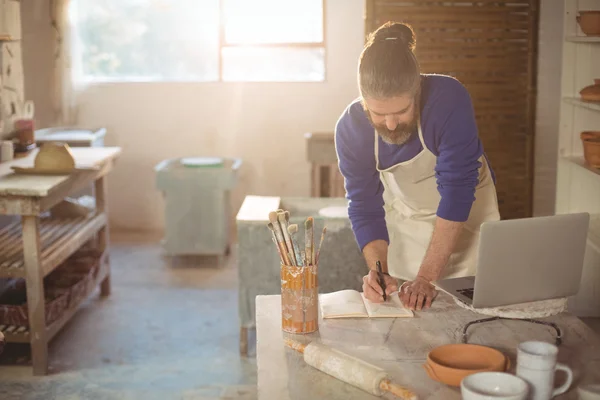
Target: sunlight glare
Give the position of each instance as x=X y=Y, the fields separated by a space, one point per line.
x=273 y=21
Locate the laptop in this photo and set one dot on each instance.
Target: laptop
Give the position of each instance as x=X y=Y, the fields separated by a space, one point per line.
x=524 y=260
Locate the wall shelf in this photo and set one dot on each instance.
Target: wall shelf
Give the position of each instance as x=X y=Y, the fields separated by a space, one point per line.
x=580 y=162
x=583 y=39
x=590 y=105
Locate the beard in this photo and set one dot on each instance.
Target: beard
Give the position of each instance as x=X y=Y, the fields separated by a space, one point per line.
x=400 y=135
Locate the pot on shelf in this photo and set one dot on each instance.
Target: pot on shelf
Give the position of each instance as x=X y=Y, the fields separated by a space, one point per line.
x=591 y=148
x=589 y=22
x=592 y=92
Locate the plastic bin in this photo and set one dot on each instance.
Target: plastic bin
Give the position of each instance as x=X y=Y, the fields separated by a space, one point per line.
x=197 y=204
x=73 y=136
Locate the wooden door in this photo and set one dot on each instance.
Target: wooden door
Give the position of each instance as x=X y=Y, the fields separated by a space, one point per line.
x=491 y=47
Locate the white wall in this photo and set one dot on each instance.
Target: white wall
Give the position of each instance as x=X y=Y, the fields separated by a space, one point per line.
x=38 y=56
x=155 y=121
x=263 y=123
x=548 y=106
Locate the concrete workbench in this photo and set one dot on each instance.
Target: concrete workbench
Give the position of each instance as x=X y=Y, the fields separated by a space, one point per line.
x=400 y=346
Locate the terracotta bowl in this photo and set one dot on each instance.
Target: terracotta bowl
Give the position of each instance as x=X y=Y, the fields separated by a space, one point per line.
x=451 y=363
x=591 y=92
x=589 y=22
x=591 y=148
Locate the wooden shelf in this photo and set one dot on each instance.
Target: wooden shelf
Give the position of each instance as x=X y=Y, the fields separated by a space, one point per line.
x=594 y=232
x=590 y=105
x=60 y=237
x=583 y=39
x=580 y=162
x=21 y=334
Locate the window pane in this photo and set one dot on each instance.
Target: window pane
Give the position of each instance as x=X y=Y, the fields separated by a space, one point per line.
x=148 y=39
x=273 y=21
x=269 y=64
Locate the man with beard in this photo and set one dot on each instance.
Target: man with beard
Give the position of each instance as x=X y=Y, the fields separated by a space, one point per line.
x=418 y=181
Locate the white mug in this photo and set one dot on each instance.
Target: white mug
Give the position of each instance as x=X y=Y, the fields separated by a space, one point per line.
x=536 y=364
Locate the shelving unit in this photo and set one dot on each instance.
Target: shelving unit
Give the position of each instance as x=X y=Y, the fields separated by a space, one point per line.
x=580 y=162
x=22 y=334
x=60 y=237
x=41 y=241
x=578 y=184
x=588 y=105
x=583 y=39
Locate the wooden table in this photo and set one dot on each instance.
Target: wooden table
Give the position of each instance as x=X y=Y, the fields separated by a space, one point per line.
x=400 y=346
x=35 y=246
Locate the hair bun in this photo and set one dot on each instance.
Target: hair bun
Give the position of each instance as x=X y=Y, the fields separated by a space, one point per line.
x=396 y=31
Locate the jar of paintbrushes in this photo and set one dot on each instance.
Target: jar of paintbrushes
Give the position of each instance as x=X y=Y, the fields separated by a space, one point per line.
x=299 y=272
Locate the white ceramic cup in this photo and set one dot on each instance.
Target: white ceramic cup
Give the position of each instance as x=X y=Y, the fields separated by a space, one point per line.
x=536 y=364
x=493 y=386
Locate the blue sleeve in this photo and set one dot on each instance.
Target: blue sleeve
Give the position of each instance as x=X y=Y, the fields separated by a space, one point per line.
x=458 y=151
x=354 y=143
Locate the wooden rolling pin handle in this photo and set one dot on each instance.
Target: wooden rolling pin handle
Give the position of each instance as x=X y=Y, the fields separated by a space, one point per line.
x=299 y=347
x=397 y=390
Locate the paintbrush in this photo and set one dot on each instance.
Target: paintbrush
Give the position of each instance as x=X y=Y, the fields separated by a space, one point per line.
x=313 y=245
x=293 y=230
x=288 y=241
x=270 y=225
x=320 y=245
x=308 y=240
x=279 y=236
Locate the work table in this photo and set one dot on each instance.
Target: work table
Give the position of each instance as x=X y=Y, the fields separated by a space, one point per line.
x=400 y=346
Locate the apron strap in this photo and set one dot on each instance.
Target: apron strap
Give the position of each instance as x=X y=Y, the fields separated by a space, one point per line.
x=421 y=135
x=376 y=150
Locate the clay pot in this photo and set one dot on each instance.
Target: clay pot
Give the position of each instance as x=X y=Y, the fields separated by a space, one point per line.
x=589 y=22
x=591 y=148
x=592 y=92
x=451 y=363
x=54 y=156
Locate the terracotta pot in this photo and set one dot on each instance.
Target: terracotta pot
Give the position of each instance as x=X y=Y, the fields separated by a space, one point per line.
x=591 y=148
x=592 y=92
x=451 y=363
x=589 y=22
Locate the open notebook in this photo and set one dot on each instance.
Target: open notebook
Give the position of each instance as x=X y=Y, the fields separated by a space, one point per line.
x=353 y=304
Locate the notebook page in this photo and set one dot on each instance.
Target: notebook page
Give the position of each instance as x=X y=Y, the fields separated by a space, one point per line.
x=392 y=308
x=342 y=304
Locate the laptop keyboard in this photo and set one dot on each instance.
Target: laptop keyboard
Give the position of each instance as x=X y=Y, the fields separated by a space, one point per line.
x=466 y=292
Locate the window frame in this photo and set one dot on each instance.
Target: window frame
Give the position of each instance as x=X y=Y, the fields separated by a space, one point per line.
x=222 y=44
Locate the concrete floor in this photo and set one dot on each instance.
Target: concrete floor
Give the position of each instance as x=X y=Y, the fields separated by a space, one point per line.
x=168 y=331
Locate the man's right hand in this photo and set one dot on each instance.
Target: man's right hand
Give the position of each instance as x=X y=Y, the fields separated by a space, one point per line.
x=373 y=291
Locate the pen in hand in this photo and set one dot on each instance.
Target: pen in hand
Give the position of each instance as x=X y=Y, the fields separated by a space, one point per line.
x=381 y=280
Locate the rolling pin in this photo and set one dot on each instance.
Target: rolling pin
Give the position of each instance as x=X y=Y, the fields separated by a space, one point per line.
x=349 y=369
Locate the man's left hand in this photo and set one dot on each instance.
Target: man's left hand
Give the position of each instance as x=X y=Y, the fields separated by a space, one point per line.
x=417 y=294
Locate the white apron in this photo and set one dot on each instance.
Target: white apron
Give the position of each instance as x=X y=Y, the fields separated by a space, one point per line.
x=411 y=201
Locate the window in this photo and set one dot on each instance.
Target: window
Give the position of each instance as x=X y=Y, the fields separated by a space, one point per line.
x=199 y=40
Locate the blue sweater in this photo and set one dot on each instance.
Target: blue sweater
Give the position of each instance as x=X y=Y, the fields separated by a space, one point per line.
x=449 y=131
